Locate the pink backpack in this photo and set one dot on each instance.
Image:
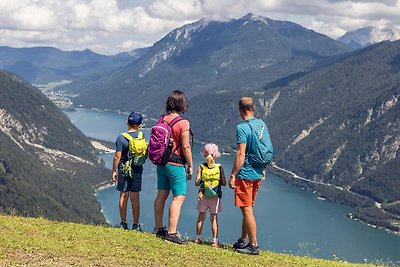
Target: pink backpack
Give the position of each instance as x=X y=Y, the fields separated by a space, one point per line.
x=161 y=141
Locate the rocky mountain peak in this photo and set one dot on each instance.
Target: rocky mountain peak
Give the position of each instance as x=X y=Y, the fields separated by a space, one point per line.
x=370 y=35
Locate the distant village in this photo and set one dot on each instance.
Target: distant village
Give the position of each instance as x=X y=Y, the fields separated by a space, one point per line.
x=61 y=99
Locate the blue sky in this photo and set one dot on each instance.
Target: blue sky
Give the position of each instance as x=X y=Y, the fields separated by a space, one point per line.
x=111 y=26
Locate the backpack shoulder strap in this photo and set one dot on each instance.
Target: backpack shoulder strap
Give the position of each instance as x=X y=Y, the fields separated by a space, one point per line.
x=140 y=135
x=175 y=120
x=254 y=132
x=161 y=119
x=178 y=119
x=127 y=136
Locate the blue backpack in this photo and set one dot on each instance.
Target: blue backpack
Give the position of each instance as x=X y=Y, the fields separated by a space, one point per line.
x=260 y=151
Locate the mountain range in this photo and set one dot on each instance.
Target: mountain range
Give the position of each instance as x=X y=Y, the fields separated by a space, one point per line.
x=41 y=65
x=47 y=166
x=210 y=56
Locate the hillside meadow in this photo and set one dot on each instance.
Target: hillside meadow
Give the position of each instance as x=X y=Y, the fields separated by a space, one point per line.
x=41 y=242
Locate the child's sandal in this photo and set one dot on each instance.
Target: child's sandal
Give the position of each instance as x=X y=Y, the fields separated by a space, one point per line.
x=216 y=245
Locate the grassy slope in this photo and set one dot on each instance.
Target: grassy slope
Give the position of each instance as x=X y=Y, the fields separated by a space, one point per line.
x=38 y=241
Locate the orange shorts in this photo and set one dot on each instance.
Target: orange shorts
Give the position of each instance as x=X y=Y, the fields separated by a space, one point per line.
x=246 y=191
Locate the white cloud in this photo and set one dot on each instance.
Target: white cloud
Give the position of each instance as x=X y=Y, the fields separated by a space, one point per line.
x=129 y=45
x=111 y=26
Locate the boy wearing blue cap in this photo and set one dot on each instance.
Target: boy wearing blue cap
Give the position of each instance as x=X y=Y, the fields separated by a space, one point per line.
x=128 y=185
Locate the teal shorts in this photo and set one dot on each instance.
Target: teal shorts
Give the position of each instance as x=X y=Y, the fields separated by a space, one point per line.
x=171 y=177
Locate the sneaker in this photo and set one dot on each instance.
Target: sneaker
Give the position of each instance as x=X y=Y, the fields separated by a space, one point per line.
x=240 y=244
x=249 y=249
x=198 y=241
x=161 y=232
x=123 y=225
x=136 y=227
x=175 y=238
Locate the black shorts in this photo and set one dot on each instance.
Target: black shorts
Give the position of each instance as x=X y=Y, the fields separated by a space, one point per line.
x=129 y=184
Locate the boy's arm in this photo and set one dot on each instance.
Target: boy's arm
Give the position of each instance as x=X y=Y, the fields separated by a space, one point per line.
x=117 y=158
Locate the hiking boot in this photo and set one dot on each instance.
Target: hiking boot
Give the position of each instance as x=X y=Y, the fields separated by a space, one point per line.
x=161 y=232
x=136 y=227
x=123 y=225
x=249 y=249
x=175 y=238
x=240 y=244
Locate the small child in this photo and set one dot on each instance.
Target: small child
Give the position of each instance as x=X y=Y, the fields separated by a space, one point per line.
x=210 y=177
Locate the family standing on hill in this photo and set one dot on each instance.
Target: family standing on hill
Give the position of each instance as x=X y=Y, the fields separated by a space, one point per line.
x=169 y=148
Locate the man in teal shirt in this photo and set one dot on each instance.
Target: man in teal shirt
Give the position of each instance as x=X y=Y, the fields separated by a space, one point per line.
x=246 y=179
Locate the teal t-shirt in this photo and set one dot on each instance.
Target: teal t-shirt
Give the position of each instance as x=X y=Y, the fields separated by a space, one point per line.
x=243 y=135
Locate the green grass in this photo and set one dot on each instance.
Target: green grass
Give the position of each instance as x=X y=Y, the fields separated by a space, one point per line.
x=40 y=242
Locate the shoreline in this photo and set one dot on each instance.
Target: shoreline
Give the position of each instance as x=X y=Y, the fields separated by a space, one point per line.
x=291 y=175
x=103 y=185
x=99 y=146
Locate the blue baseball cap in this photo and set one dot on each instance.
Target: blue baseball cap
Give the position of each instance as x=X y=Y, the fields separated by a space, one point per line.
x=135 y=118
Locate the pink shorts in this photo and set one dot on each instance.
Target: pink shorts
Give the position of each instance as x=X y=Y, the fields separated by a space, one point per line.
x=213 y=204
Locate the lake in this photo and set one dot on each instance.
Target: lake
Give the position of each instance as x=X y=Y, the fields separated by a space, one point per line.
x=289 y=219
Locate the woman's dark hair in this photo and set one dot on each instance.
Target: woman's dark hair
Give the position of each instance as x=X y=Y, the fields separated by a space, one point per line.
x=176 y=102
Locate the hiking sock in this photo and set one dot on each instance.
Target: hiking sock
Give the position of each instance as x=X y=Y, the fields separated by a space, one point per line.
x=198 y=237
x=215 y=240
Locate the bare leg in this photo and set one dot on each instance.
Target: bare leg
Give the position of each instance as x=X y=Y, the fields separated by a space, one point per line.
x=244 y=235
x=135 y=206
x=123 y=201
x=249 y=224
x=174 y=212
x=214 y=224
x=200 y=220
x=159 y=204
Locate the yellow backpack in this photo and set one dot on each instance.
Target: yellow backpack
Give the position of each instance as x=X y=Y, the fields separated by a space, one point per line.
x=137 y=152
x=211 y=178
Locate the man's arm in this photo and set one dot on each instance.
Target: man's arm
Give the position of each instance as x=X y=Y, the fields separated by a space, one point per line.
x=239 y=161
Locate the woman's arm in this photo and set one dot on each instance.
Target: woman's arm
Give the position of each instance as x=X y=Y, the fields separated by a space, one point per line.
x=187 y=153
x=223 y=179
x=198 y=177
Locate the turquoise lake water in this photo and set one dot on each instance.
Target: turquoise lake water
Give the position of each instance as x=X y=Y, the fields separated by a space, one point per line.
x=289 y=219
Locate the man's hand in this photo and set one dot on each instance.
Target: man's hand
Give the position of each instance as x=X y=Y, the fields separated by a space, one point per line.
x=114 y=177
x=232 y=181
x=264 y=173
x=189 y=172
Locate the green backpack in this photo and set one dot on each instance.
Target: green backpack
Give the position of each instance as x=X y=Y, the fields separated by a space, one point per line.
x=137 y=153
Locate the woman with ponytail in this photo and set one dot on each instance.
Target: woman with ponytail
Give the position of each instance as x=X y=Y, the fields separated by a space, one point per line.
x=210 y=177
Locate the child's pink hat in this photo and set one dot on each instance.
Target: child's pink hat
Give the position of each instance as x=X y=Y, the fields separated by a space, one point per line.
x=212 y=149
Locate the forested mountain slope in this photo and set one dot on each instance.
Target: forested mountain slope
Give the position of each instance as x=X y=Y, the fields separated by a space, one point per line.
x=339 y=125
x=47 y=166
